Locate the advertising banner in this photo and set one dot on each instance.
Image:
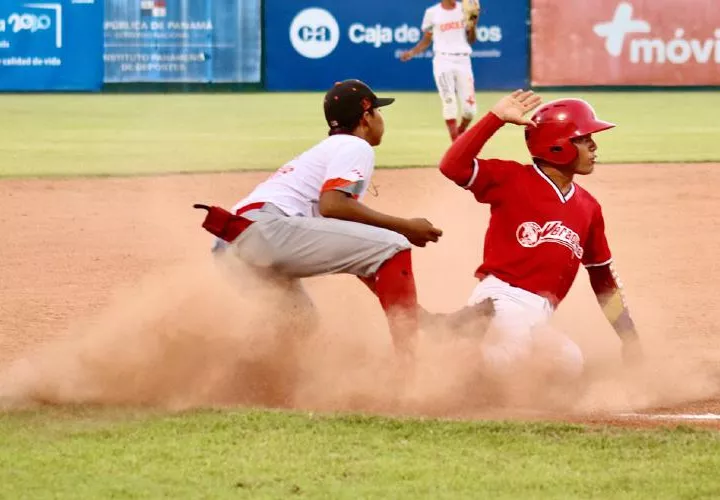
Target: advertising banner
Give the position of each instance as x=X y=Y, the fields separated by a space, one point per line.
x=46 y=46
x=312 y=43
x=635 y=42
x=182 y=41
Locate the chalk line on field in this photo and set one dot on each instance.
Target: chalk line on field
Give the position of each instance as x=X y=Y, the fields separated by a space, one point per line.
x=672 y=416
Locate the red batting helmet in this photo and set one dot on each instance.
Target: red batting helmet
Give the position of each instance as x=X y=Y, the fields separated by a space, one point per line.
x=558 y=122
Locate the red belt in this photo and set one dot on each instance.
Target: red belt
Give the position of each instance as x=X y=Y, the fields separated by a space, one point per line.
x=251 y=206
x=225 y=225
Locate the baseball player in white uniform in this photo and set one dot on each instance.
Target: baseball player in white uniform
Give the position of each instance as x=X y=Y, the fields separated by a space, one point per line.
x=445 y=26
x=307 y=219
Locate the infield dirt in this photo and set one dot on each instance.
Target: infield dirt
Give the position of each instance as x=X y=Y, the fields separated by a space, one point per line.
x=109 y=296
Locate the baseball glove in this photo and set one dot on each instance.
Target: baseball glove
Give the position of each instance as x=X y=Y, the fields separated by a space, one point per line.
x=471 y=11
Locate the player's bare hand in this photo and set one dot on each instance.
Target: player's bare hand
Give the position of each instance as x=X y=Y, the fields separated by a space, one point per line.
x=513 y=108
x=406 y=56
x=421 y=231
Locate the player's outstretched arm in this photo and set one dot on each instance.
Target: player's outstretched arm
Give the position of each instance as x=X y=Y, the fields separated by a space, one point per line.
x=610 y=296
x=339 y=205
x=471 y=26
x=421 y=46
x=458 y=163
x=471 y=33
x=471 y=11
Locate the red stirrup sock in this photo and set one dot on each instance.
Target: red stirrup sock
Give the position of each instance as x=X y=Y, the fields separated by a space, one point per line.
x=464 y=125
x=395 y=287
x=452 y=128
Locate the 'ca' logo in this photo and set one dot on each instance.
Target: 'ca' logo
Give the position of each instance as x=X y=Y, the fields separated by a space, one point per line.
x=314 y=33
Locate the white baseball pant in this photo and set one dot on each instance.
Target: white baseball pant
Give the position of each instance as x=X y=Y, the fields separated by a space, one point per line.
x=300 y=247
x=521 y=327
x=456 y=85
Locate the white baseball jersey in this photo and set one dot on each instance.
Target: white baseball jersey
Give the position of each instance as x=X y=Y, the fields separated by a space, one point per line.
x=340 y=162
x=448 y=29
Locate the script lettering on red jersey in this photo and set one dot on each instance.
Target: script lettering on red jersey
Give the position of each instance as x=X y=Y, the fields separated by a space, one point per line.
x=531 y=234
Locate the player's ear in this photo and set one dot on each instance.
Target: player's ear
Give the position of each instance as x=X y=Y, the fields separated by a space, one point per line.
x=366 y=117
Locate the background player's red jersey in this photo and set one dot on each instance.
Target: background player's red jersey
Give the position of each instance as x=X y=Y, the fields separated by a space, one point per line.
x=537 y=236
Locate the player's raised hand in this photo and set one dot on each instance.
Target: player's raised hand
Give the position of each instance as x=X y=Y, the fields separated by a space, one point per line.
x=513 y=107
x=420 y=231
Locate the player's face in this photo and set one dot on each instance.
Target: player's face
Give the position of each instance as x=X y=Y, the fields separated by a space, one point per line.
x=376 y=126
x=585 y=161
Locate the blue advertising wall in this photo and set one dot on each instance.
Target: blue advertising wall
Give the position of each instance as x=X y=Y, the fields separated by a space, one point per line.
x=53 y=45
x=183 y=41
x=310 y=44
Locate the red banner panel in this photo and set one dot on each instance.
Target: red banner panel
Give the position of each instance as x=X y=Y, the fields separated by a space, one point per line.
x=636 y=42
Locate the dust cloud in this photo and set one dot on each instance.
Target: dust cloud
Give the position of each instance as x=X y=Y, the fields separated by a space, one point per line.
x=203 y=334
x=196 y=334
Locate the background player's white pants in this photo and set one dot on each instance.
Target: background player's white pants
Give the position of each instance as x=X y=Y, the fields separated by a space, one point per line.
x=299 y=247
x=455 y=83
x=521 y=327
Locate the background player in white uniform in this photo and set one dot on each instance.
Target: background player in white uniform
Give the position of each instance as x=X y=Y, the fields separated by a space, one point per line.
x=444 y=26
x=307 y=219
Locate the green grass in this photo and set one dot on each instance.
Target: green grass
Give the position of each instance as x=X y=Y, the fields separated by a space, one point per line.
x=141 y=134
x=80 y=453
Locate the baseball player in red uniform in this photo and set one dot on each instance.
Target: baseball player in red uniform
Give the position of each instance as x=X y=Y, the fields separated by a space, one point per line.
x=542 y=226
x=308 y=218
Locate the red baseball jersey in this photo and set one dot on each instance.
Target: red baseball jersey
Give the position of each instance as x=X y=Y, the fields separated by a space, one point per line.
x=537 y=236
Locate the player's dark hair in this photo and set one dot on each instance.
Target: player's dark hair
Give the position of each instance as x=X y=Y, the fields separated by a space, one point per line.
x=341 y=130
x=349 y=129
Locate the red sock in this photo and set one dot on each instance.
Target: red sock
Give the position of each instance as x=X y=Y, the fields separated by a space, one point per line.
x=395 y=287
x=464 y=125
x=452 y=128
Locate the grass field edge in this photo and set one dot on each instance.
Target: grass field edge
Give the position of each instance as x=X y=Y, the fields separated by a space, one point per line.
x=169 y=173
